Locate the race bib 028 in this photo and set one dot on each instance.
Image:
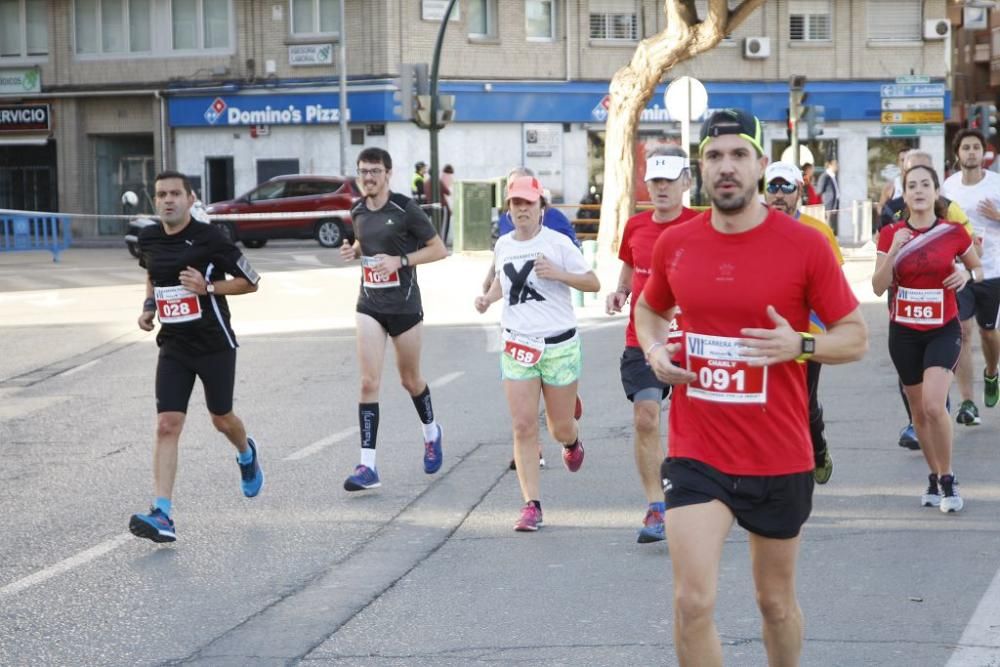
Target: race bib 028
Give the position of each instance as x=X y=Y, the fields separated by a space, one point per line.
x=176 y=304
x=724 y=374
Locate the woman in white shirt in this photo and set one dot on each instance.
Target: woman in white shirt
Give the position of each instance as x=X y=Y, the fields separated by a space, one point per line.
x=535 y=269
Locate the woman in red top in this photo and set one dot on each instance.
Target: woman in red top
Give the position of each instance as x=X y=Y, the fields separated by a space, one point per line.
x=916 y=260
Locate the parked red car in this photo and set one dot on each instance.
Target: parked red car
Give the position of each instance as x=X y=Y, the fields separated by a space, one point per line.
x=291 y=194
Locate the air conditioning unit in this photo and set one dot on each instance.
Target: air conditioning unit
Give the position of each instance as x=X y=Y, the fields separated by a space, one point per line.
x=756 y=47
x=936 y=29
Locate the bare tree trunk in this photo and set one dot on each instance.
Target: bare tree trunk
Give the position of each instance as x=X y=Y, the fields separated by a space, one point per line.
x=630 y=90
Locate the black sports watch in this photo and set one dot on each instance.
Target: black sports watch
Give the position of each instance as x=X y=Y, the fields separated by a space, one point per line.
x=808 y=348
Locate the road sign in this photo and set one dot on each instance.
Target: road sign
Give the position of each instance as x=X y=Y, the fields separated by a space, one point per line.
x=913 y=116
x=928 y=130
x=913 y=79
x=913 y=90
x=686 y=96
x=912 y=103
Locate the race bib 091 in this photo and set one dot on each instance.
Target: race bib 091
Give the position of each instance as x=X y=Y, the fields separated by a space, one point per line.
x=724 y=374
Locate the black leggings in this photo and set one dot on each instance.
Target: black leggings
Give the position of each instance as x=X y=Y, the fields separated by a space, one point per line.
x=914 y=351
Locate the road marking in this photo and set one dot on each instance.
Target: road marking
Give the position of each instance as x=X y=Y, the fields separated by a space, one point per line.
x=445 y=379
x=321 y=444
x=980 y=643
x=312 y=260
x=64 y=566
x=77 y=369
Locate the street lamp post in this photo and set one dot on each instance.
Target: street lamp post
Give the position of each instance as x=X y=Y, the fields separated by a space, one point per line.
x=434 y=127
x=343 y=91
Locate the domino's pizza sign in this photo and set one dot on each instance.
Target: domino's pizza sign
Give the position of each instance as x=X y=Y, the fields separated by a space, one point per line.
x=600 y=112
x=215 y=110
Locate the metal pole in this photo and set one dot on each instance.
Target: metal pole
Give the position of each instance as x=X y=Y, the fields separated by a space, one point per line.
x=435 y=63
x=344 y=132
x=686 y=137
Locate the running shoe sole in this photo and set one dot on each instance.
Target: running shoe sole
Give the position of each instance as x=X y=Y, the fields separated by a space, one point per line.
x=351 y=485
x=142 y=528
x=647 y=536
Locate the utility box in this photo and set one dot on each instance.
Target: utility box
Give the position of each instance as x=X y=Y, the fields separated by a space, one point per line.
x=474 y=204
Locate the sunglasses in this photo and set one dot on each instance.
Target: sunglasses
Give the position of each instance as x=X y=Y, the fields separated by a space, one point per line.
x=784 y=188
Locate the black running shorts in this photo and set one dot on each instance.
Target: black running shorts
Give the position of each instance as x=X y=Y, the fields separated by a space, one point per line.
x=981 y=299
x=915 y=351
x=393 y=324
x=769 y=506
x=638 y=375
x=175 y=374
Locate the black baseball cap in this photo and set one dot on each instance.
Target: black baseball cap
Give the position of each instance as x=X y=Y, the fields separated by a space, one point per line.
x=732 y=121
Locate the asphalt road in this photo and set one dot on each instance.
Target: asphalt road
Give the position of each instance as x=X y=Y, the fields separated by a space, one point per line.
x=425 y=570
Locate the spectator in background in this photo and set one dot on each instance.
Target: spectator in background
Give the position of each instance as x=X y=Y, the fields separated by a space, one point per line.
x=446 y=179
x=417 y=182
x=587 y=210
x=829 y=190
x=811 y=196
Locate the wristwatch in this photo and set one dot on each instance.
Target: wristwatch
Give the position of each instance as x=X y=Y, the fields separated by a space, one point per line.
x=404 y=260
x=808 y=347
x=210 y=288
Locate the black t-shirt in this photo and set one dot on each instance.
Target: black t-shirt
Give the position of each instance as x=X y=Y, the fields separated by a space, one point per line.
x=192 y=323
x=398 y=228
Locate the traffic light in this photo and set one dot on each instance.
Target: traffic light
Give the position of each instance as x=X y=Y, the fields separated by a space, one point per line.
x=422 y=110
x=403 y=98
x=988 y=125
x=815 y=116
x=797 y=96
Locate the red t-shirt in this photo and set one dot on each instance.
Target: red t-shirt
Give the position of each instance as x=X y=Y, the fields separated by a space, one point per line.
x=739 y=419
x=917 y=299
x=636 y=250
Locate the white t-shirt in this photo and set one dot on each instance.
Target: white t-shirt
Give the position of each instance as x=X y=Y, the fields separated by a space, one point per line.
x=969 y=197
x=533 y=306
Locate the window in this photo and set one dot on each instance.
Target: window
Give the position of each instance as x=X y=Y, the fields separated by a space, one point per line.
x=199 y=24
x=895 y=21
x=24 y=28
x=540 y=19
x=810 y=21
x=315 y=17
x=113 y=26
x=614 y=19
x=482 y=18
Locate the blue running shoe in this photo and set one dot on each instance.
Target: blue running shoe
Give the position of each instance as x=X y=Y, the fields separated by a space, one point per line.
x=363 y=478
x=155 y=526
x=432 y=454
x=908 y=438
x=252 y=475
x=652 y=528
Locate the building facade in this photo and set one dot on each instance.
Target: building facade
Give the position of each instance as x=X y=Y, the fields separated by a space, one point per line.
x=103 y=93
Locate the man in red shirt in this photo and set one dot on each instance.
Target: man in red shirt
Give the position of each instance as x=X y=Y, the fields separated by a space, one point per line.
x=745 y=278
x=668 y=177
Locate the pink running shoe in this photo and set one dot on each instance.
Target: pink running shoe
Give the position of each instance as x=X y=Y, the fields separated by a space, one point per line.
x=573 y=456
x=530 y=520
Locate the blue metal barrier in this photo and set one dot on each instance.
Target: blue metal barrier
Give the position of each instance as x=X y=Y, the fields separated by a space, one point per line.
x=22 y=232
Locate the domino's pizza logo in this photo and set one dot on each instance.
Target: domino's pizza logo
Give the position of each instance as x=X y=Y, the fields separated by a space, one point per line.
x=600 y=112
x=215 y=110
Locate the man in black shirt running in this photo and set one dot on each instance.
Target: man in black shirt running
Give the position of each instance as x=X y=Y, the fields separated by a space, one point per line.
x=186 y=287
x=393 y=236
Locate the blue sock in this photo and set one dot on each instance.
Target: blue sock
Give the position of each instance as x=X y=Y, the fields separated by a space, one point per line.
x=658 y=507
x=245 y=457
x=164 y=505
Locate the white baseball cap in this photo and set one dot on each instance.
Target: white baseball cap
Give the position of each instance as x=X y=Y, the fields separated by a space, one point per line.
x=666 y=166
x=783 y=170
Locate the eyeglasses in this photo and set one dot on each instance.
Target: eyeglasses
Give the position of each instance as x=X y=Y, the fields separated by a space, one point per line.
x=785 y=188
x=370 y=172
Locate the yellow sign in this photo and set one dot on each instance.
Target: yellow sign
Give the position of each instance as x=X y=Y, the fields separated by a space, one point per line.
x=913 y=116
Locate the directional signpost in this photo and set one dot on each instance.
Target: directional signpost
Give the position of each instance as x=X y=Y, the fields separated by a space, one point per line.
x=913 y=107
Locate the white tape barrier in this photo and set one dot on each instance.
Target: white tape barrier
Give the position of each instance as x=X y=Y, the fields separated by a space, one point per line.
x=300 y=215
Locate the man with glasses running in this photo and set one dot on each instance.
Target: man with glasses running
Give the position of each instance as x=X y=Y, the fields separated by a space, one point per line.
x=783 y=192
x=393 y=236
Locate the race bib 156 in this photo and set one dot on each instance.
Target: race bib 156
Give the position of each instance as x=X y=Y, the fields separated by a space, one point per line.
x=920 y=306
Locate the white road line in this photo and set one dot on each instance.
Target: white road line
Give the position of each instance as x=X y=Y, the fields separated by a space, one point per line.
x=445 y=379
x=980 y=643
x=64 y=566
x=321 y=444
x=312 y=260
x=77 y=369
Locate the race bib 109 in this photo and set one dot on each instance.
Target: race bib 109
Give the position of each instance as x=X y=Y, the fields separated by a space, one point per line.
x=372 y=278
